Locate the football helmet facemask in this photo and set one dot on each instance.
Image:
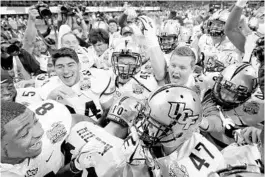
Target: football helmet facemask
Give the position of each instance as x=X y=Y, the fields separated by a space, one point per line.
x=171 y=115
x=168 y=35
x=217 y=23
x=235 y=85
x=126 y=59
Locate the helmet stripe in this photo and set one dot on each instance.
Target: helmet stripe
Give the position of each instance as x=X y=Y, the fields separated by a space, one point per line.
x=240 y=68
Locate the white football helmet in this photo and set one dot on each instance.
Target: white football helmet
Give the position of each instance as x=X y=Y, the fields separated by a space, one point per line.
x=235 y=85
x=171 y=116
x=168 y=35
x=217 y=23
x=145 y=23
x=125 y=110
x=126 y=58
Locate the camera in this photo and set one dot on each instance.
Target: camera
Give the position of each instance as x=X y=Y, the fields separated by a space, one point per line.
x=43 y=10
x=11 y=47
x=70 y=10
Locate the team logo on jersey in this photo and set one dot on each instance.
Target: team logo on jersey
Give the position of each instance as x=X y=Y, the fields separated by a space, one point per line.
x=137 y=89
x=251 y=108
x=184 y=116
x=57 y=132
x=32 y=172
x=178 y=171
x=85 y=83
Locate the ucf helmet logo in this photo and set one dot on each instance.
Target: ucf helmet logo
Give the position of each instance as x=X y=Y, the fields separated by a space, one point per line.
x=183 y=116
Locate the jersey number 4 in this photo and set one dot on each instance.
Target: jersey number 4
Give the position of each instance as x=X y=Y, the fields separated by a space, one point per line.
x=197 y=161
x=91 y=106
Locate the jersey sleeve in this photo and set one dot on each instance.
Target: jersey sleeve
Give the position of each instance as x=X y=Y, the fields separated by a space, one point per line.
x=28 y=96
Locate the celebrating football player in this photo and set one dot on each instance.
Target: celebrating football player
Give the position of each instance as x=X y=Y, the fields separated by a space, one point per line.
x=169 y=130
x=81 y=92
x=31 y=139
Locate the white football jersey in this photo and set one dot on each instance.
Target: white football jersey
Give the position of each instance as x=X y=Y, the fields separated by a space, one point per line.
x=28 y=96
x=89 y=133
x=84 y=97
x=249 y=113
x=240 y=155
x=140 y=86
x=56 y=122
x=196 y=157
x=41 y=79
x=219 y=55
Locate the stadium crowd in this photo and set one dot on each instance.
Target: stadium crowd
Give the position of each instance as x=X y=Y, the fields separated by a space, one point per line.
x=175 y=93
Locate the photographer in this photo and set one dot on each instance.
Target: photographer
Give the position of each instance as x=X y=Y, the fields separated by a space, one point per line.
x=18 y=61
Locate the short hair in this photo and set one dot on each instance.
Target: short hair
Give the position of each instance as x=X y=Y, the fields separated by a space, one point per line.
x=64 y=52
x=185 y=51
x=98 y=35
x=9 y=111
x=112 y=21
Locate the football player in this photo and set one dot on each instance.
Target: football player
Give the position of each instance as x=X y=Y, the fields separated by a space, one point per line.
x=169 y=130
x=129 y=78
x=69 y=40
x=219 y=52
x=234 y=102
x=31 y=139
x=168 y=37
x=248 y=41
x=80 y=91
x=93 y=146
x=25 y=96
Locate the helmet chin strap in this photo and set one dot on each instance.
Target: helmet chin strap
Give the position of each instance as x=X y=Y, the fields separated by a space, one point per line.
x=171 y=145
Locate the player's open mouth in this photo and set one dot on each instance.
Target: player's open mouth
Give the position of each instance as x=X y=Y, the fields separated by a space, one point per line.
x=68 y=77
x=174 y=76
x=36 y=145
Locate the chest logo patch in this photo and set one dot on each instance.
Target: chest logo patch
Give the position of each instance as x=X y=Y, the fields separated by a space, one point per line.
x=57 y=132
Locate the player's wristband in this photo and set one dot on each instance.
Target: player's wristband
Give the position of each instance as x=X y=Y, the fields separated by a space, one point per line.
x=117 y=120
x=73 y=168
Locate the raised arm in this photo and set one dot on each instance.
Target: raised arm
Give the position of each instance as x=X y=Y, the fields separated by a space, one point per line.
x=31 y=31
x=232 y=26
